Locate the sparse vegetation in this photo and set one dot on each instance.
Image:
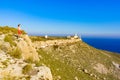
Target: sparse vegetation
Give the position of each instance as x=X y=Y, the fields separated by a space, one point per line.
x=37 y=63
x=27 y=68
x=30 y=60
x=5 y=63
x=9 y=38
x=71 y=60
x=42 y=38
x=9 y=77
x=60 y=69
x=16 y=53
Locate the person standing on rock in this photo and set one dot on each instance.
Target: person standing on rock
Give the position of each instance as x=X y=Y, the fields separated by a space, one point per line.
x=19 y=30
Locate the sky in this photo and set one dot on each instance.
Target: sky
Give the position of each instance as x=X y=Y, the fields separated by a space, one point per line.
x=86 y=17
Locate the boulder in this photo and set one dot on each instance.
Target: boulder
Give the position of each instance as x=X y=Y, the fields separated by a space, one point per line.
x=44 y=73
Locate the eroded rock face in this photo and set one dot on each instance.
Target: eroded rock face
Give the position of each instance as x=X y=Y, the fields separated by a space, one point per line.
x=14 y=67
x=9 y=65
x=116 y=65
x=116 y=69
x=101 y=68
x=28 y=51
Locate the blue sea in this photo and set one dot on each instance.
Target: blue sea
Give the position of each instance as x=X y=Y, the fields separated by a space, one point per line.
x=109 y=44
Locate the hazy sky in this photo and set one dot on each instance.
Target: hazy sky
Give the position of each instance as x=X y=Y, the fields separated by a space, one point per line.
x=97 y=17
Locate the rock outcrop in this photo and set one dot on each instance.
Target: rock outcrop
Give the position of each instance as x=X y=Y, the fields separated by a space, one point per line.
x=27 y=48
x=12 y=68
x=101 y=68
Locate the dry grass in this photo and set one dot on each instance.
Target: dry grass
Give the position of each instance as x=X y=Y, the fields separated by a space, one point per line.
x=71 y=60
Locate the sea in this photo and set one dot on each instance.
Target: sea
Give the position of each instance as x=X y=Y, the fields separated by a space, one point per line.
x=109 y=43
x=104 y=43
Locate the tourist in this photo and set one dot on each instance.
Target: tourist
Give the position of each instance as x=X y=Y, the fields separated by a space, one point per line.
x=19 y=31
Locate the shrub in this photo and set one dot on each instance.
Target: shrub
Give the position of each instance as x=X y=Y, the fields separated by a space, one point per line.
x=27 y=68
x=30 y=60
x=55 y=47
x=16 y=53
x=37 y=63
x=5 y=63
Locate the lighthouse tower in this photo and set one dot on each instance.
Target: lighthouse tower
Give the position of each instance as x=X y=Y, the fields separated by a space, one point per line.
x=77 y=37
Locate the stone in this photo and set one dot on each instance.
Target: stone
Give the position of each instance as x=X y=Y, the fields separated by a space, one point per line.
x=58 y=77
x=85 y=70
x=43 y=73
x=95 y=76
x=91 y=74
x=76 y=78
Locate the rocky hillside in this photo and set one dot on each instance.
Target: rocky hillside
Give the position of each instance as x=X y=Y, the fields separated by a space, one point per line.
x=76 y=60
x=19 y=60
x=38 y=58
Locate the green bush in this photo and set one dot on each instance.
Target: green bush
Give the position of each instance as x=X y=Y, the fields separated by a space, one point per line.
x=27 y=68
x=16 y=53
